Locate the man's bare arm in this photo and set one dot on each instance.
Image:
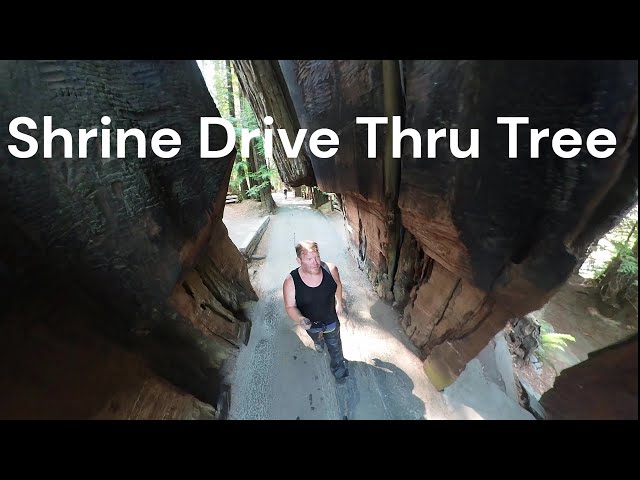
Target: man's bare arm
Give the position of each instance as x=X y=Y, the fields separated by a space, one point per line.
x=289 y=294
x=336 y=276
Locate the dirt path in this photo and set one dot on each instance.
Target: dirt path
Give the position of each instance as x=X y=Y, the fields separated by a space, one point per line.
x=278 y=375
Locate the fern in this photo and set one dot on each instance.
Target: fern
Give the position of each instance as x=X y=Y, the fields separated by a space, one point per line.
x=550 y=340
x=239 y=166
x=628 y=262
x=254 y=192
x=556 y=340
x=553 y=341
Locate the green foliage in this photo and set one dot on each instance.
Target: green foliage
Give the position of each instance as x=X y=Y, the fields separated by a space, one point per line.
x=263 y=176
x=240 y=167
x=628 y=261
x=244 y=118
x=249 y=121
x=615 y=243
x=238 y=175
x=254 y=192
x=265 y=173
x=550 y=340
x=235 y=183
x=619 y=283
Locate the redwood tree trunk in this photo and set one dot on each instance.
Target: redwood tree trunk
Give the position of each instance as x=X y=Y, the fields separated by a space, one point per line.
x=252 y=167
x=230 y=97
x=256 y=161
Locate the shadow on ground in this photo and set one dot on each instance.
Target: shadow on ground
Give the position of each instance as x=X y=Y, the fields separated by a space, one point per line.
x=380 y=391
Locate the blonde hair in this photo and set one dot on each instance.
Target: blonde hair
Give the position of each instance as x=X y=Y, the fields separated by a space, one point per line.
x=306 y=245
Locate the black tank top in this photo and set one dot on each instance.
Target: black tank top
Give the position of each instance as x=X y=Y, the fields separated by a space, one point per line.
x=318 y=304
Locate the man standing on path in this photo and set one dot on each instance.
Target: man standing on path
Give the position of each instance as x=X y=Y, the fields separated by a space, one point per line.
x=313 y=299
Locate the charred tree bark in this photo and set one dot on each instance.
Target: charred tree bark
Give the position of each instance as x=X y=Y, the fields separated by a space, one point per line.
x=494 y=239
x=48 y=335
x=537 y=217
x=318 y=198
x=603 y=387
x=129 y=231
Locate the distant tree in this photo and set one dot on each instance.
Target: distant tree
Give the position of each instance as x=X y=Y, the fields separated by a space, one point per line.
x=251 y=176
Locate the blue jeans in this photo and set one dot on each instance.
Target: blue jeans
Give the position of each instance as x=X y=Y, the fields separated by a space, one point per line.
x=331 y=335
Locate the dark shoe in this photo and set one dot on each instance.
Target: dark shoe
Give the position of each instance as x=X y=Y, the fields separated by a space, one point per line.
x=342 y=372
